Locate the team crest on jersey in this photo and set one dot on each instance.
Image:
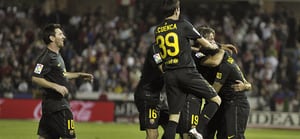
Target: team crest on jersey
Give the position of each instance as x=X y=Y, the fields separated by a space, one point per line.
x=230 y=60
x=152 y=121
x=38 y=68
x=72 y=132
x=219 y=75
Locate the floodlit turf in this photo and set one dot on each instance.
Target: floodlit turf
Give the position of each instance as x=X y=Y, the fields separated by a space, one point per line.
x=26 y=129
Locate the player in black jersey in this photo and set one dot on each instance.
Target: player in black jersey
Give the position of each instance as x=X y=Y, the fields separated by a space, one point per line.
x=152 y=111
x=211 y=59
x=50 y=73
x=189 y=116
x=231 y=118
x=181 y=77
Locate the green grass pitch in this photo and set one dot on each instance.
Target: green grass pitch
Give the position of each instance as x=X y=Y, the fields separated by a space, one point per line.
x=26 y=129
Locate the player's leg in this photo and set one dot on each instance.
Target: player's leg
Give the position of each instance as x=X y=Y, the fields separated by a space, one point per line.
x=214 y=124
x=189 y=116
x=176 y=99
x=63 y=124
x=149 y=115
x=164 y=114
x=199 y=87
x=151 y=133
x=44 y=130
x=223 y=121
x=242 y=118
x=208 y=112
x=148 y=105
x=230 y=117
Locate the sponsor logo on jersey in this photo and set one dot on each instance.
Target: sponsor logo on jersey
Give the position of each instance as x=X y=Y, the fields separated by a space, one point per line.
x=157 y=58
x=38 y=68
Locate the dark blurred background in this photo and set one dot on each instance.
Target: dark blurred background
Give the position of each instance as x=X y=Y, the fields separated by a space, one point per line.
x=109 y=38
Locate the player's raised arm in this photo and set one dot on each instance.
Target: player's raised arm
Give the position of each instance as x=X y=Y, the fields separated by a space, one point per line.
x=206 y=44
x=213 y=60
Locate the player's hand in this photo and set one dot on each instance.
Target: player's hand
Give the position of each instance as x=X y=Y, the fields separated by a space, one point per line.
x=239 y=86
x=87 y=76
x=62 y=90
x=229 y=47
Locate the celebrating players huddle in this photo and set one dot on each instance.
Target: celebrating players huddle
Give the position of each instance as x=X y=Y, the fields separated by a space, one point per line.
x=190 y=73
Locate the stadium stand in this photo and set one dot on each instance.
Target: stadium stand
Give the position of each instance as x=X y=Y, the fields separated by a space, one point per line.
x=112 y=47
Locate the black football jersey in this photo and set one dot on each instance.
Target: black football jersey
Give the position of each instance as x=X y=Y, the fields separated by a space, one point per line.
x=209 y=73
x=152 y=78
x=51 y=67
x=227 y=75
x=173 y=38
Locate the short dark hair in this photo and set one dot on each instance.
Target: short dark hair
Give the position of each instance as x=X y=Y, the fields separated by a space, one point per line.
x=205 y=30
x=169 y=7
x=49 y=30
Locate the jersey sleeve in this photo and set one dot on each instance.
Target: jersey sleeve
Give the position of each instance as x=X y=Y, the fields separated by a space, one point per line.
x=190 y=31
x=155 y=54
x=42 y=67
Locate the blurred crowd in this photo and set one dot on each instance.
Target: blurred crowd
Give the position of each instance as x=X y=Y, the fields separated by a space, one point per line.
x=113 y=48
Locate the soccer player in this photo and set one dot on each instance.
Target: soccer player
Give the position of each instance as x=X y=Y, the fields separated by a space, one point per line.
x=152 y=111
x=180 y=74
x=50 y=73
x=191 y=110
x=189 y=116
x=231 y=118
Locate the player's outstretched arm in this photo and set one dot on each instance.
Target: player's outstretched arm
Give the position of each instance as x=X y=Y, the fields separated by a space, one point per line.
x=206 y=44
x=85 y=76
x=213 y=60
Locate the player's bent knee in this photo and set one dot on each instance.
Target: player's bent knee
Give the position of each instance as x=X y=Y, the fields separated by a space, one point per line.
x=216 y=99
x=40 y=137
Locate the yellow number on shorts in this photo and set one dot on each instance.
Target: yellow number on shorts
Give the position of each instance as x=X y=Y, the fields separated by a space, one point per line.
x=152 y=113
x=71 y=124
x=168 y=44
x=195 y=119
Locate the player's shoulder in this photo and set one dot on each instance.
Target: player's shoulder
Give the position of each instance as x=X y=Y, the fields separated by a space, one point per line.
x=46 y=56
x=185 y=21
x=228 y=59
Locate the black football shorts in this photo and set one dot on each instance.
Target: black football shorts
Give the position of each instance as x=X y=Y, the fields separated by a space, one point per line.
x=57 y=124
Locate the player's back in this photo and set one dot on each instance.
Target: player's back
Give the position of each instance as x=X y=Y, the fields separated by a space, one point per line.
x=230 y=72
x=173 y=38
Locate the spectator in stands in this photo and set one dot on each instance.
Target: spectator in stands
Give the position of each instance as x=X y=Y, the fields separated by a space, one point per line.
x=107 y=35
